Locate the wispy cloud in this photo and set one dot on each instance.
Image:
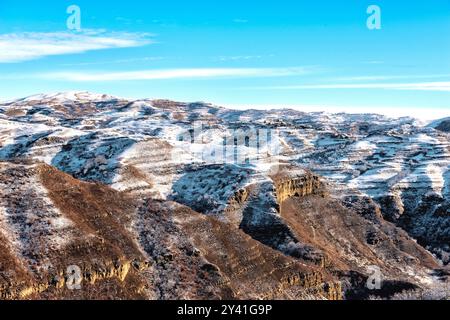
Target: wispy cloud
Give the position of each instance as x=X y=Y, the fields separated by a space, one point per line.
x=240 y=20
x=392 y=77
x=423 y=86
x=242 y=57
x=19 y=47
x=118 y=61
x=174 y=74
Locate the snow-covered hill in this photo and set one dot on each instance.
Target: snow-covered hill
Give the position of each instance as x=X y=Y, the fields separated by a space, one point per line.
x=221 y=162
x=441 y=124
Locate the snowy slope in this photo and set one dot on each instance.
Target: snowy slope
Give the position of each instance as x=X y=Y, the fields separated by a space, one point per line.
x=170 y=149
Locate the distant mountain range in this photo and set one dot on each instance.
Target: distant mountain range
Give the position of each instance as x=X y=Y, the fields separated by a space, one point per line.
x=156 y=199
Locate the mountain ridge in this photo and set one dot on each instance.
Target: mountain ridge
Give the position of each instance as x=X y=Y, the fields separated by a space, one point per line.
x=334 y=193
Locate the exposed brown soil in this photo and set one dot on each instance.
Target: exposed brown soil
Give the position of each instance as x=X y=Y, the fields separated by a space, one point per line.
x=251 y=270
x=350 y=243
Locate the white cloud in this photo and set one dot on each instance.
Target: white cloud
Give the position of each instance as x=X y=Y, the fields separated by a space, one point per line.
x=174 y=74
x=390 y=77
x=238 y=58
x=118 y=61
x=18 y=47
x=423 y=86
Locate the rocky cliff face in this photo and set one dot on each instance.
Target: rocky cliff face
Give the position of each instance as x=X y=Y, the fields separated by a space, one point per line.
x=169 y=200
x=290 y=182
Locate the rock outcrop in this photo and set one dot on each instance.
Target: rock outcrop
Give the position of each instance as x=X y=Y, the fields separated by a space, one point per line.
x=292 y=182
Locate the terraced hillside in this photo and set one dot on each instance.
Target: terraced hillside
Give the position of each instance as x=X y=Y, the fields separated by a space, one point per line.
x=169 y=200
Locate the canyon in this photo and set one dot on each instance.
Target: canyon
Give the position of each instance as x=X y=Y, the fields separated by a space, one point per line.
x=139 y=195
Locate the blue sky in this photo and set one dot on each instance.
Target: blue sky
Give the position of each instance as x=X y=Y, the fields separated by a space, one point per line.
x=311 y=55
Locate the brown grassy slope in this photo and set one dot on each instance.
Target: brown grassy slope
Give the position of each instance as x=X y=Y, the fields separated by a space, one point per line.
x=144 y=249
x=13 y=275
x=103 y=248
x=343 y=234
x=251 y=270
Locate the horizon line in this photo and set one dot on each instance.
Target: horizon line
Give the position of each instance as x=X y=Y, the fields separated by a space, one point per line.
x=420 y=113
